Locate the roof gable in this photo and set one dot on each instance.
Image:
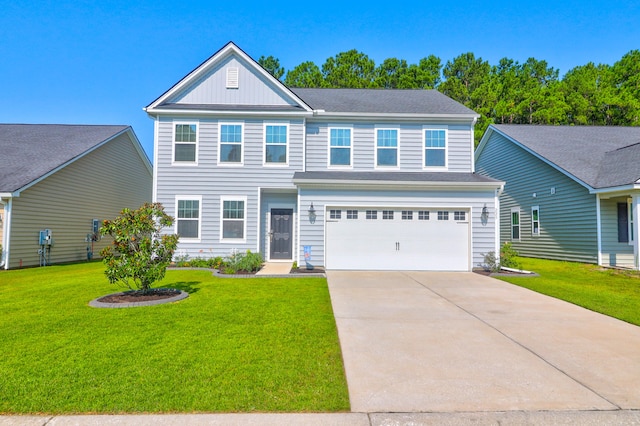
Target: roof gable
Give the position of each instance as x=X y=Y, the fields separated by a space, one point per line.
x=31 y=151
x=595 y=156
x=206 y=86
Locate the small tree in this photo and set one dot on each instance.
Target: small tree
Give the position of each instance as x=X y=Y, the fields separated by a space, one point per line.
x=139 y=255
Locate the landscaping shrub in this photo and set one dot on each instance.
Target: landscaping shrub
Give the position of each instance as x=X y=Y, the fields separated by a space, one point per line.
x=139 y=255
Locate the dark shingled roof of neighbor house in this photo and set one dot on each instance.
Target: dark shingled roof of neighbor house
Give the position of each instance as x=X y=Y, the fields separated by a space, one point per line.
x=381 y=101
x=30 y=151
x=600 y=156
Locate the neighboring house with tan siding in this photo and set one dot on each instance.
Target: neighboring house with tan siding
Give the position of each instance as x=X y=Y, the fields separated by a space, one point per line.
x=61 y=178
x=571 y=192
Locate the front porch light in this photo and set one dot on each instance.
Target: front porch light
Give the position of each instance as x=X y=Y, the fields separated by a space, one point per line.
x=484 y=217
x=312 y=213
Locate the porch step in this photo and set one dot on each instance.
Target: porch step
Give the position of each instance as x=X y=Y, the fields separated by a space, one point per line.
x=275 y=268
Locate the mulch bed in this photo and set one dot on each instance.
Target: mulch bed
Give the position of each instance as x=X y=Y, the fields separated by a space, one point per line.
x=315 y=270
x=135 y=296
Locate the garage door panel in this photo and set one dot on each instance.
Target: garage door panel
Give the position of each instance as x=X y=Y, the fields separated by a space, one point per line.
x=397 y=244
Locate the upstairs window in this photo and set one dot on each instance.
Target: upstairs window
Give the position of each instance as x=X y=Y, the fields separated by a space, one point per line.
x=185 y=143
x=230 y=143
x=435 y=148
x=386 y=147
x=275 y=144
x=340 y=147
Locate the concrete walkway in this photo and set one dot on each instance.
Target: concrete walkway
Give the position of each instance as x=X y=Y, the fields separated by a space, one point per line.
x=451 y=342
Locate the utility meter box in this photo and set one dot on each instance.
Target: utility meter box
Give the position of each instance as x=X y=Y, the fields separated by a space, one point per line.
x=95 y=226
x=45 y=237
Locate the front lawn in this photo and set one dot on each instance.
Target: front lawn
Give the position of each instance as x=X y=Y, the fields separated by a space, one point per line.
x=611 y=292
x=234 y=345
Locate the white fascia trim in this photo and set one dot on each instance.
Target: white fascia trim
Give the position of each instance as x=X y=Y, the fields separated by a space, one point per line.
x=200 y=112
x=535 y=154
x=229 y=49
x=10 y=194
x=622 y=188
x=321 y=183
x=396 y=116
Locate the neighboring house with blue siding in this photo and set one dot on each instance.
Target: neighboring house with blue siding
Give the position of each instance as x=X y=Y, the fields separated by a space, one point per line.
x=571 y=192
x=341 y=178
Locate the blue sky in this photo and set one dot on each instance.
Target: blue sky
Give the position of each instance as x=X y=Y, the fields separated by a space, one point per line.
x=90 y=62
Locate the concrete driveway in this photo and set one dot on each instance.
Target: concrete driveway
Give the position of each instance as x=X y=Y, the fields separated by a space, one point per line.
x=454 y=342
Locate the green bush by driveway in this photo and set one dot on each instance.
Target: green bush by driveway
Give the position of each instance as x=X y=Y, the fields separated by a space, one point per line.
x=611 y=292
x=234 y=345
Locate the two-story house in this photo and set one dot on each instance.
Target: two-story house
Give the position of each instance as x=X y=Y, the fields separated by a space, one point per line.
x=340 y=178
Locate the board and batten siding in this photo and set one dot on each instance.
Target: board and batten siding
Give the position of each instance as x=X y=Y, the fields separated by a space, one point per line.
x=614 y=253
x=312 y=234
x=212 y=181
x=253 y=89
x=410 y=141
x=568 y=222
x=96 y=186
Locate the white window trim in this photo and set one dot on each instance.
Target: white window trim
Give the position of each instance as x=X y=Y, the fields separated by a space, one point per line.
x=329 y=165
x=630 y=220
x=264 y=145
x=242 y=144
x=175 y=225
x=533 y=233
x=519 y=225
x=424 y=149
x=173 y=143
x=375 y=157
x=244 y=230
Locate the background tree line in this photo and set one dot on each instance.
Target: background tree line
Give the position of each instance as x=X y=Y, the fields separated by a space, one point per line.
x=509 y=92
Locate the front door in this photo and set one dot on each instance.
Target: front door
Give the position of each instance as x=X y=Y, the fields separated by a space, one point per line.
x=281 y=233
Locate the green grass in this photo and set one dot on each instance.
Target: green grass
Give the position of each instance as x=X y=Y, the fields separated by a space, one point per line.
x=234 y=345
x=611 y=292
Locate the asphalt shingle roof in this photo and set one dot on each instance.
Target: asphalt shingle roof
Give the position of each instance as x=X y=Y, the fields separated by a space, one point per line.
x=29 y=151
x=381 y=101
x=600 y=156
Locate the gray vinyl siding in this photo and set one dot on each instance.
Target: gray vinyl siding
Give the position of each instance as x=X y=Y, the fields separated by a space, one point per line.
x=312 y=234
x=253 y=89
x=212 y=181
x=568 y=222
x=614 y=253
x=410 y=142
x=96 y=186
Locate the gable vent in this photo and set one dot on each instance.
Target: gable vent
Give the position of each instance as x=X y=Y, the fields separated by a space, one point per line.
x=232 y=78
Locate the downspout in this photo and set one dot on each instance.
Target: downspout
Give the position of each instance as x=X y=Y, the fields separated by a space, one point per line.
x=6 y=229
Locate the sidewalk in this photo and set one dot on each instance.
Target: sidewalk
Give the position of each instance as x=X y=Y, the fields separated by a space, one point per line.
x=583 y=418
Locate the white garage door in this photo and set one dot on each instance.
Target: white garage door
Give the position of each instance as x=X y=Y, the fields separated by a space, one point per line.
x=397 y=239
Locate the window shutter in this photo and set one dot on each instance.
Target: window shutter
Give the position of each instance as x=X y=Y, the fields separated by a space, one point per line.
x=623 y=223
x=232 y=78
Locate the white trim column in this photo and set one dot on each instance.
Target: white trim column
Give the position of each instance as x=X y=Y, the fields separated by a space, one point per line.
x=6 y=231
x=599 y=229
x=635 y=207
